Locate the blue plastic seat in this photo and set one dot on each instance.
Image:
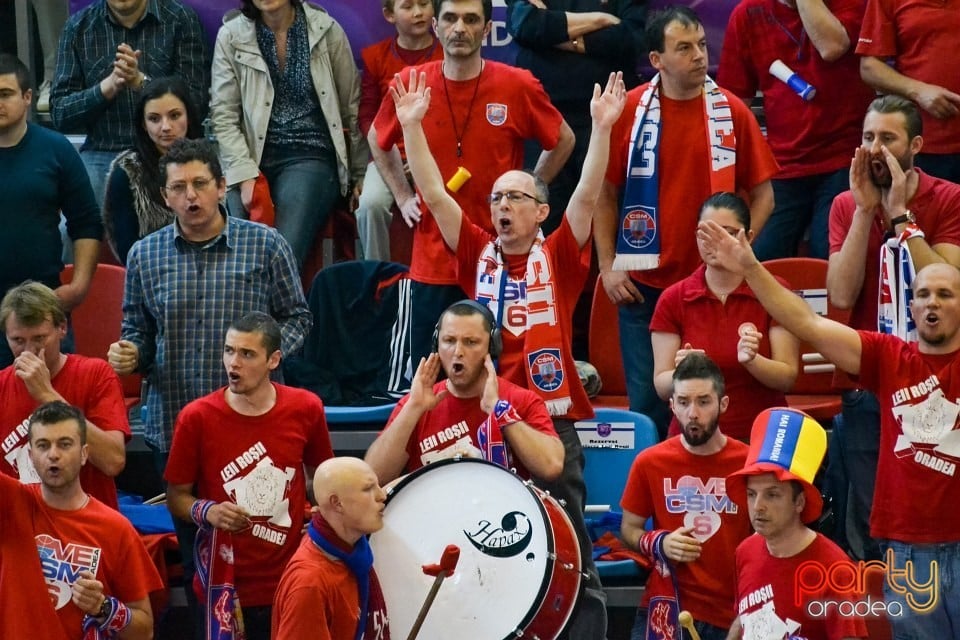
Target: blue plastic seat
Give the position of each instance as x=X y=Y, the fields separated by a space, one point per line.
x=607 y=464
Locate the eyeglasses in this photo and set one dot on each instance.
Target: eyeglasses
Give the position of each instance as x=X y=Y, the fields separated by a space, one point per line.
x=180 y=188
x=512 y=196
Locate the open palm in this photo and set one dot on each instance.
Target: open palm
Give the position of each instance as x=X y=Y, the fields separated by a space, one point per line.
x=412 y=100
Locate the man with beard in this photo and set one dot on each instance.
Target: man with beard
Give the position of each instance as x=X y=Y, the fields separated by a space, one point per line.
x=917 y=385
x=680 y=483
x=893 y=210
x=489 y=417
x=240 y=463
x=531 y=284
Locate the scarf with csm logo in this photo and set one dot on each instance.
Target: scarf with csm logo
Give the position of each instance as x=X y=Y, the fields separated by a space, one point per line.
x=638 y=243
x=542 y=335
x=789 y=444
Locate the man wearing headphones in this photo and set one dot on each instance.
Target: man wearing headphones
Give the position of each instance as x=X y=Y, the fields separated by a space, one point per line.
x=531 y=285
x=472 y=413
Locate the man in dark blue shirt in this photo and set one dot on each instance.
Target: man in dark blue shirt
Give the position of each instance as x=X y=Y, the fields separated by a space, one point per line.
x=41 y=175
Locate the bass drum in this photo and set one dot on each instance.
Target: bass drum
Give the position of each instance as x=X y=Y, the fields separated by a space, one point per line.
x=519 y=568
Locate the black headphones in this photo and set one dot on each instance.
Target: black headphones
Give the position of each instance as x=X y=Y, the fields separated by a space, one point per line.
x=496 y=340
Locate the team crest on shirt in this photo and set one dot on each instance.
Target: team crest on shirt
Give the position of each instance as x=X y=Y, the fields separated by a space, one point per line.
x=496 y=113
x=546 y=369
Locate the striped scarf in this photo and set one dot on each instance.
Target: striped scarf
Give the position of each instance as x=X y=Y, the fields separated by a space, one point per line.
x=638 y=240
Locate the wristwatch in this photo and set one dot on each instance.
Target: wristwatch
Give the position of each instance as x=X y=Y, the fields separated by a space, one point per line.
x=906 y=218
x=104 y=608
x=144 y=82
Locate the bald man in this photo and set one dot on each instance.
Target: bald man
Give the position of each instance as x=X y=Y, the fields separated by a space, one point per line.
x=918 y=386
x=329 y=589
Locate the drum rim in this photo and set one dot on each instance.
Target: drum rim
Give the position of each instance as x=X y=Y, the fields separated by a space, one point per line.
x=552 y=559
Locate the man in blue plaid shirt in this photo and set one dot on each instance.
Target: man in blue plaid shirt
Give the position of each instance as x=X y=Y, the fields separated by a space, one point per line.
x=108 y=52
x=188 y=281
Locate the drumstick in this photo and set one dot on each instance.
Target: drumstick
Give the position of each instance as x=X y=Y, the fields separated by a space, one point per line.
x=448 y=562
x=686 y=621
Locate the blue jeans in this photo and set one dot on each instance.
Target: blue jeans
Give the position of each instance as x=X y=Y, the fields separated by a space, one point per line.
x=98 y=164
x=799 y=203
x=941 y=165
x=637 y=354
x=304 y=190
x=942 y=621
x=706 y=630
x=858 y=434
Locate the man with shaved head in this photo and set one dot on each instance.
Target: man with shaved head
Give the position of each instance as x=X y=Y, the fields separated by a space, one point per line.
x=329 y=589
x=918 y=388
x=530 y=284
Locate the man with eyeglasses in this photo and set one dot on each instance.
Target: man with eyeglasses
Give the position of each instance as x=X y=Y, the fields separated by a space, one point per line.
x=481 y=115
x=186 y=283
x=531 y=285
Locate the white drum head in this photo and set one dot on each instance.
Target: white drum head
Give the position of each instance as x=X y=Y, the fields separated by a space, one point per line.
x=501 y=530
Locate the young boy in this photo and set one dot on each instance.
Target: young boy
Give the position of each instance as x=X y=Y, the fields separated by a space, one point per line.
x=413 y=45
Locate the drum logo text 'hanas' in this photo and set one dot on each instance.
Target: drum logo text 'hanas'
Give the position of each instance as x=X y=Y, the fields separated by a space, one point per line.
x=509 y=539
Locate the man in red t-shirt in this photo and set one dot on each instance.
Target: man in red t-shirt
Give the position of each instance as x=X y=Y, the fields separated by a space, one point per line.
x=240 y=462
x=699 y=147
x=888 y=196
x=96 y=569
x=481 y=115
x=681 y=483
x=773 y=599
x=329 y=589
x=531 y=285
x=34 y=323
x=918 y=37
x=472 y=413
x=917 y=386
x=811 y=138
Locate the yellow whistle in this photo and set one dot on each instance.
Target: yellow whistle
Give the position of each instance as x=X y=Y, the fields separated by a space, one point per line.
x=461 y=176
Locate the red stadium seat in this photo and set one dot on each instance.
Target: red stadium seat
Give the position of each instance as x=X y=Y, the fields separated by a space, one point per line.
x=813 y=393
x=96 y=321
x=604 y=350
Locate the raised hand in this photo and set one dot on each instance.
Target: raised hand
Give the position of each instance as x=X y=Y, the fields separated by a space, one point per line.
x=421 y=388
x=491 y=388
x=411 y=101
x=733 y=253
x=894 y=199
x=606 y=107
x=865 y=193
